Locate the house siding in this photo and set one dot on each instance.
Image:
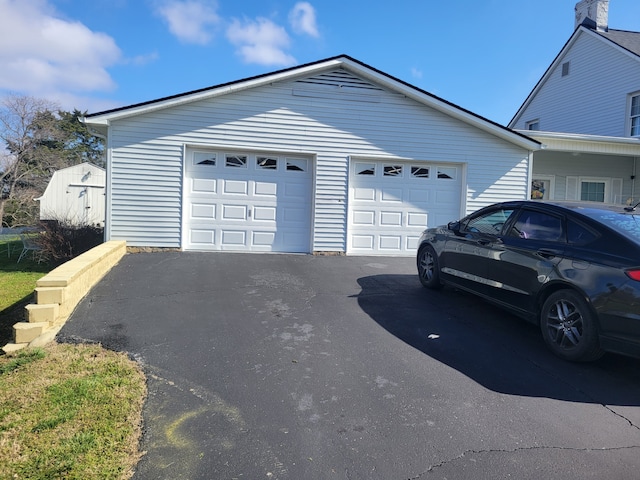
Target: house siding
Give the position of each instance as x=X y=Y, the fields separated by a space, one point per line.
x=590 y=100
x=564 y=167
x=311 y=117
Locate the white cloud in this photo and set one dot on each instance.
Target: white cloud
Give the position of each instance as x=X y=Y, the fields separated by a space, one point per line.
x=416 y=73
x=41 y=53
x=261 y=41
x=303 y=19
x=190 y=21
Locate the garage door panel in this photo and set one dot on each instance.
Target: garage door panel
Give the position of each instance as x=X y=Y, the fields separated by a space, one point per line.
x=264 y=213
x=393 y=219
x=296 y=191
x=391 y=195
x=388 y=212
x=203 y=211
x=202 y=236
x=266 y=189
x=234 y=238
x=234 y=212
x=361 y=217
x=364 y=194
x=418 y=196
x=262 y=239
x=236 y=187
x=294 y=215
x=364 y=242
x=417 y=219
x=248 y=203
x=201 y=185
x=390 y=242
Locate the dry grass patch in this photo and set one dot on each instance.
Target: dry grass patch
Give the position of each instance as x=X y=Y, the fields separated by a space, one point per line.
x=70 y=411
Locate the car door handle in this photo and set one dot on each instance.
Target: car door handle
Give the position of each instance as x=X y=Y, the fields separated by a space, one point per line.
x=548 y=252
x=483 y=241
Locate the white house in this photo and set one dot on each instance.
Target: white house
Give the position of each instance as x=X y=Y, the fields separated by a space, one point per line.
x=332 y=156
x=585 y=110
x=75 y=194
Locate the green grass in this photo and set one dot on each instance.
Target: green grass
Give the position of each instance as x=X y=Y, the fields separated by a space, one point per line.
x=66 y=411
x=17 y=283
x=70 y=411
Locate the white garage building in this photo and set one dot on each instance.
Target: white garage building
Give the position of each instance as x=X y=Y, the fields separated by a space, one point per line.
x=332 y=156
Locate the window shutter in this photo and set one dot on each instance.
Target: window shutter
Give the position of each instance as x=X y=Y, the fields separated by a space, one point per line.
x=572 y=188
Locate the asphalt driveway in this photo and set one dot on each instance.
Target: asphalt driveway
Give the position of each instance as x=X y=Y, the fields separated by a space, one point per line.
x=303 y=367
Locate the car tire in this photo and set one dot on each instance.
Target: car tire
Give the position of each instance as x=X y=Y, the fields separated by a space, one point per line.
x=428 y=267
x=569 y=327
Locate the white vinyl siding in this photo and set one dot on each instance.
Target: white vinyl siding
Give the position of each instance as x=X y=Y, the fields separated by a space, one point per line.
x=312 y=118
x=591 y=99
x=562 y=167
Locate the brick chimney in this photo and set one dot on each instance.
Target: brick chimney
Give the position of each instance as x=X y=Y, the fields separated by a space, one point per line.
x=593 y=14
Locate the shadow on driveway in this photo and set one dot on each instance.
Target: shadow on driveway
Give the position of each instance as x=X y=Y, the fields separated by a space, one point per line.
x=497 y=350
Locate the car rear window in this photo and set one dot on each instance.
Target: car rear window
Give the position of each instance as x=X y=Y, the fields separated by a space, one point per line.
x=624 y=223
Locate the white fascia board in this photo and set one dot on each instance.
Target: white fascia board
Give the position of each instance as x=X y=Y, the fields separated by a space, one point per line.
x=443 y=106
x=213 y=92
x=575 y=142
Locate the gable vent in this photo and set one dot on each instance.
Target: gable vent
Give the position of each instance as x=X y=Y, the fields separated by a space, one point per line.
x=339 y=78
x=337 y=84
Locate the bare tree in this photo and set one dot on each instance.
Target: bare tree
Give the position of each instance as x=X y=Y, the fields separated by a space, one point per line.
x=29 y=130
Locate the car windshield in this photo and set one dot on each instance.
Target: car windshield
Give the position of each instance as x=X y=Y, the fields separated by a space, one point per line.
x=626 y=224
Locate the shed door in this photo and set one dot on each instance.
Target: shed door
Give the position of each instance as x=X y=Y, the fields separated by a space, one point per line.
x=247 y=202
x=391 y=203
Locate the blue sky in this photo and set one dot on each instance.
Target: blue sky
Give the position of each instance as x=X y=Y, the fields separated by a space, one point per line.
x=483 y=55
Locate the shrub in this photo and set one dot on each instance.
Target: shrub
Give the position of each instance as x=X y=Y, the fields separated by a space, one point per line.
x=61 y=241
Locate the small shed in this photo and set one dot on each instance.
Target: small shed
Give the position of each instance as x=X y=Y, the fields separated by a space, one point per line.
x=75 y=195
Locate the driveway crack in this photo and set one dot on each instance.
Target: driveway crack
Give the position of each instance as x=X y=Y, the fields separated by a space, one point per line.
x=444 y=463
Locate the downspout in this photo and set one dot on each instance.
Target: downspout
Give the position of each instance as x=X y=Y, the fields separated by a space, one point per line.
x=633 y=182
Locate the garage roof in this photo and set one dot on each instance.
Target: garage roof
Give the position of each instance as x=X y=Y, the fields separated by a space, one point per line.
x=104 y=118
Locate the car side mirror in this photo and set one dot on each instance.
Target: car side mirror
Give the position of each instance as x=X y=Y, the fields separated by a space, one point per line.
x=454 y=226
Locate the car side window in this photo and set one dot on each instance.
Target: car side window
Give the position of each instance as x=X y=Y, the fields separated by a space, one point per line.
x=578 y=234
x=490 y=222
x=537 y=226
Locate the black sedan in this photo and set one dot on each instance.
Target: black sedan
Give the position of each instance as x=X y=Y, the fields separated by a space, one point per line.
x=574 y=269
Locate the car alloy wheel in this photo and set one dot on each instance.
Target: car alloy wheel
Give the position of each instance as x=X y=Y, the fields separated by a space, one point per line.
x=428 y=269
x=569 y=327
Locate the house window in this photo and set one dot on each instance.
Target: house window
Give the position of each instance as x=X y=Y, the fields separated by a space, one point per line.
x=592 y=191
x=635 y=116
x=533 y=125
x=565 y=69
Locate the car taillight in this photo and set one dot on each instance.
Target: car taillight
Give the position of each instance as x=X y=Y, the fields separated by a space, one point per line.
x=633 y=274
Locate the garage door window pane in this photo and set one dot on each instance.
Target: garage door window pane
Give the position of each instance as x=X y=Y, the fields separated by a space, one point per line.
x=447 y=173
x=267 y=163
x=297 y=164
x=393 y=170
x=203 y=158
x=365 y=169
x=420 y=172
x=236 y=161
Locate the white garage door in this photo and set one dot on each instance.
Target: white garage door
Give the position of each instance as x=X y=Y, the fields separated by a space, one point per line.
x=391 y=203
x=247 y=202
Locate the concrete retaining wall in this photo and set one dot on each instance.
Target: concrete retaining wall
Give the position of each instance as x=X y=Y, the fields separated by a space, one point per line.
x=58 y=293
